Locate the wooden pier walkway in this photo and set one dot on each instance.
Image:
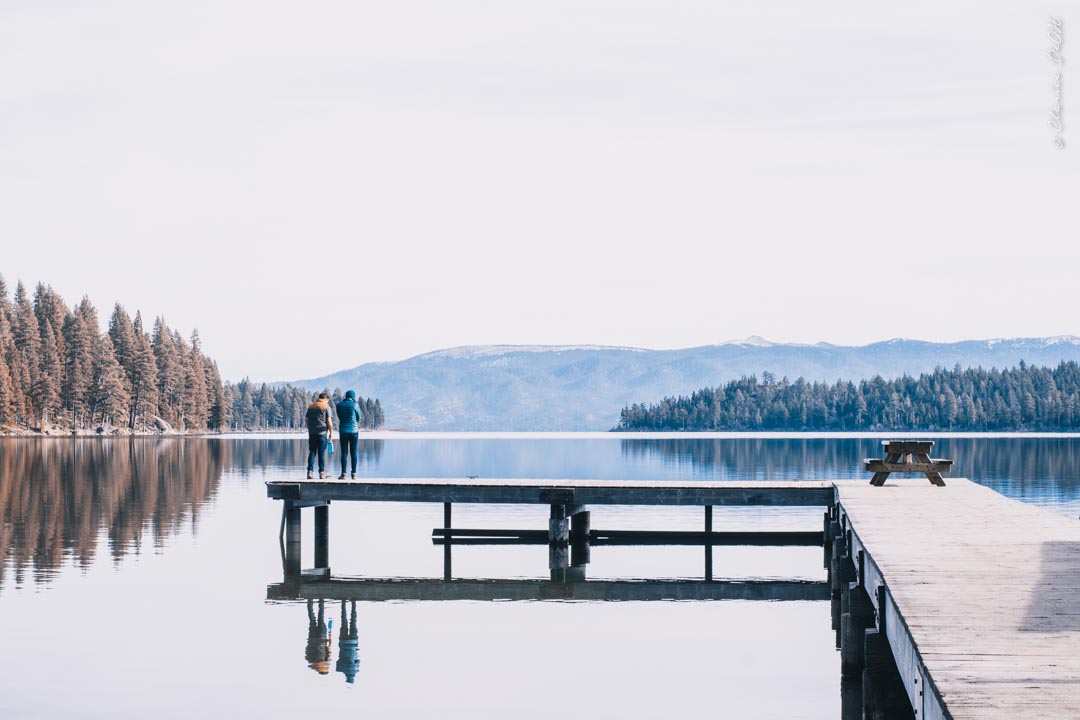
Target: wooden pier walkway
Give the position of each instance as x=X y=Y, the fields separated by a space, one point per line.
x=982 y=596
x=969 y=601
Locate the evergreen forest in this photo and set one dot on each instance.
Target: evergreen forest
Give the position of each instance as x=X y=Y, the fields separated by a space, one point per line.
x=60 y=371
x=1022 y=398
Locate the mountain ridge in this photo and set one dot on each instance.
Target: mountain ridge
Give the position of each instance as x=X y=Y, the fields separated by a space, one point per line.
x=583 y=387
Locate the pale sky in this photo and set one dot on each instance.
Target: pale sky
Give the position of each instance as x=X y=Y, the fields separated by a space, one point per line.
x=319 y=184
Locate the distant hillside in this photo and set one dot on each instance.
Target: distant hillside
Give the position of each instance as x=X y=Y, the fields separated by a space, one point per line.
x=548 y=388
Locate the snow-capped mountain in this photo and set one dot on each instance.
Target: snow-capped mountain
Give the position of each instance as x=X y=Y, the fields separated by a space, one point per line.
x=583 y=387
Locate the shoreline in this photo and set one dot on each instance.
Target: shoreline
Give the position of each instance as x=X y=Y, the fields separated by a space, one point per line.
x=399 y=434
x=126 y=433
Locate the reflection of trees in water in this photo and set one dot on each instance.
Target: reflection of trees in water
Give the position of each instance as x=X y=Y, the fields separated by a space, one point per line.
x=757 y=458
x=259 y=453
x=1024 y=467
x=58 y=495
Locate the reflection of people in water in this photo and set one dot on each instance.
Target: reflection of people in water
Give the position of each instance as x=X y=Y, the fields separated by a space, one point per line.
x=348 y=645
x=318 y=641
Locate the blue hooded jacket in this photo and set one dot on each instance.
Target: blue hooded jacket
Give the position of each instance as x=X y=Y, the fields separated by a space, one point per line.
x=348 y=413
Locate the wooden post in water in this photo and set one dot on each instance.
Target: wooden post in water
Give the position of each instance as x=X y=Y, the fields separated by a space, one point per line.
x=558 y=562
x=559 y=526
x=708 y=545
x=558 y=543
x=292 y=539
x=851 y=698
x=855 y=619
x=322 y=536
x=842 y=571
x=826 y=530
x=884 y=696
x=446 y=551
x=580 y=526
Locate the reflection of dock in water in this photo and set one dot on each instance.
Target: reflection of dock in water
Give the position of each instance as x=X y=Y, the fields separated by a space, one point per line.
x=401 y=589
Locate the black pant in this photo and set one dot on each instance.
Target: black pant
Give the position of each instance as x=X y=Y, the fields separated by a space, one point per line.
x=348 y=449
x=316 y=445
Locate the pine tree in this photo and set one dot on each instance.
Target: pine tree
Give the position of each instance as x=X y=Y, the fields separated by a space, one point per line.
x=92 y=341
x=218 y=398
x=77 y=366
x=9 y=402
x=108 y=387
x=195 y=404
x=27 y=342
x=49 y=307
x=8 y=405
x=142 y=373
x=50 y=377
x=170 y=372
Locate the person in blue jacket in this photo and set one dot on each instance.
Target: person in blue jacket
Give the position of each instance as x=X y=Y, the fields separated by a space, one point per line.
x=348 y=413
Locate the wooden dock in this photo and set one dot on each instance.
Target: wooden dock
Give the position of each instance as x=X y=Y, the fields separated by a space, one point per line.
x=981 y=596
x=956 y=598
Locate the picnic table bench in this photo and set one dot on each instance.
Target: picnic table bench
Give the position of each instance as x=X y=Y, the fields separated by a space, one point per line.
x=908 y=456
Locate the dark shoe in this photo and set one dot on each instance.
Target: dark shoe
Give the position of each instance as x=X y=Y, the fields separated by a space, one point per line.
x=341 y=476
x=322 y=476
x=308 y=474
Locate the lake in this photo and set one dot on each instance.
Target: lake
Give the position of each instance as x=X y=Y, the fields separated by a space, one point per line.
x=135 y=576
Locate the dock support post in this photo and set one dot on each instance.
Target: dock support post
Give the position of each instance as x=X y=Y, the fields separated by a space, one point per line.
x=842 y=570
x=884 y=697
x=447 y=557
x=558 y=543
x=558 y=562
x=851 y=698
x=856 y=618
x=322 y=536
x=580 y=526
x=558 y=526
x=708 y=545
x=826 y=531
x=292 y=539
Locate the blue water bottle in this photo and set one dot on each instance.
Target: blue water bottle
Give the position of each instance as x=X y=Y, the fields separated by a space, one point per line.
x=330 y=447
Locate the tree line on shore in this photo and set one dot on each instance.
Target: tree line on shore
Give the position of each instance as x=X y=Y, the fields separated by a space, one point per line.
x=1022 y=398
x=266 y=407
x=59 y=370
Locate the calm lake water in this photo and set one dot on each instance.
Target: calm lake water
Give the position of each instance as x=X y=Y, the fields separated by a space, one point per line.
x=135 y=578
